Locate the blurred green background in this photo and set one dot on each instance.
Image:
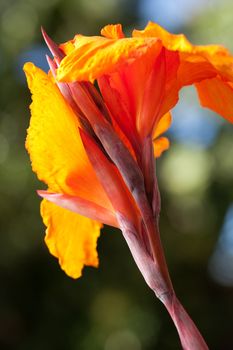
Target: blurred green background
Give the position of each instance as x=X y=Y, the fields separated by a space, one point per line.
x=111 y=308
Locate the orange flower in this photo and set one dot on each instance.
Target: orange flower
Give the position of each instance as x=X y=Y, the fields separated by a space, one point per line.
x=90 y=147
x=95 y=150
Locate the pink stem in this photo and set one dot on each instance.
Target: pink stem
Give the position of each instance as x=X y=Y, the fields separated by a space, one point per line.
x=190 y=337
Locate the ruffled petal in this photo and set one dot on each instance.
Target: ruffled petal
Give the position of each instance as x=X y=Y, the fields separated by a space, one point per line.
x=179 y=42
x=171 y=41
x=113 y=31
x=71 y=238
x=54 y=144
x=95 y=56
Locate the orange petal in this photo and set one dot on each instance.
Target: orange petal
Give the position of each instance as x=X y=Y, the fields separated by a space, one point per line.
x=54 y=144
x=169 y=97
x=198 y=63
x=218 y=96
x=163 y=125
x=113 y=31
x=120 y=108
x=203 y=59
x=139 y=93
x=179 y=42
x=95 y=56
x=71 y=238
x=153 y=94
x=160 y=145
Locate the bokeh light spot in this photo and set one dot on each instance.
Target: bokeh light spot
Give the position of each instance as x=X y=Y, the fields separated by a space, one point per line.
x=19 y=22
x=4 y=148
x=124 y=339
x=99 y=8
x=185 y=170
x=221 y=262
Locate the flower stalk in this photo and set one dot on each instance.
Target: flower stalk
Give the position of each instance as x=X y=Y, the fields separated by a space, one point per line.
x=154 y=267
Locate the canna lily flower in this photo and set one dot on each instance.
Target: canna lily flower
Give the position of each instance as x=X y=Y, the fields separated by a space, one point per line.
x=140 y=77
x=70 y=177
x=95 y=149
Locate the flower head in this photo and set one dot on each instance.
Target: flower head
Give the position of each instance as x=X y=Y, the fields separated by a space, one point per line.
x=94 y=148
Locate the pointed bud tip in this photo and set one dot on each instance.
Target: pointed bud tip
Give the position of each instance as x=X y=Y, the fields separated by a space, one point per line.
x=44 y=34
x=53 y=47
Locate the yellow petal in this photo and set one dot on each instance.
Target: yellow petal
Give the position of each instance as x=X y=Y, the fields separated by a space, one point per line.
x=95 y=56
x=170 y=41
x=54 y=144
x=163 y=125
x=71 y=238
x=160 y=145
x=67 y=47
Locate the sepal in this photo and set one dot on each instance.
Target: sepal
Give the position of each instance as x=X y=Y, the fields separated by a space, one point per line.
x=81 y=206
